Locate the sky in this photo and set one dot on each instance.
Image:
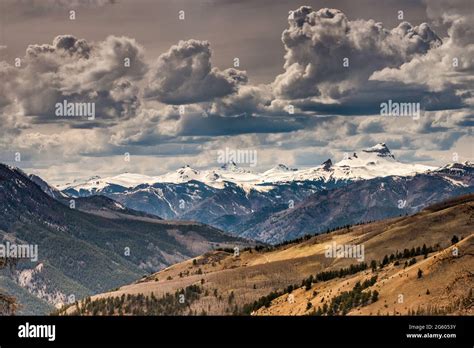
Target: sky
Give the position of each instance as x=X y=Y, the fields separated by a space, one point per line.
x=296 y=82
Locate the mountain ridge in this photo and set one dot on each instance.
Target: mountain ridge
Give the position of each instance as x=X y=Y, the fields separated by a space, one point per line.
x=82 y=253
x=362 y=168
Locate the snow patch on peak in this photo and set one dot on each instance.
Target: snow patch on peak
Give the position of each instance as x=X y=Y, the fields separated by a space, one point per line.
x=233 y=167
x=187 y=169
x=380 y=149
x=282 y=168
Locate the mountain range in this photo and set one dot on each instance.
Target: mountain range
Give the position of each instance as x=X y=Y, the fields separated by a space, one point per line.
x=284 y=203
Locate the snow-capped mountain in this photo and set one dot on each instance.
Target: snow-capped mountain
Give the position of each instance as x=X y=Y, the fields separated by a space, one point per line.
x=255 y=204
x=240 y=201
x=376 y=161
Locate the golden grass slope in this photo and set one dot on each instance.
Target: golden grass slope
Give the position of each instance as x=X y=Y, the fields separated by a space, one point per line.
x=444 y=288
x=253 y=274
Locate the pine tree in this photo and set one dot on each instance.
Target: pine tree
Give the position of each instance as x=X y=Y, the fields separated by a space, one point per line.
x=375 y=296
x=424 y=249
x=231 y=297
x=373 y=265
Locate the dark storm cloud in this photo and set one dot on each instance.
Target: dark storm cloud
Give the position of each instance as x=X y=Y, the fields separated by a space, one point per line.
x=366 y=100
x=218 y=125
x=467 y=121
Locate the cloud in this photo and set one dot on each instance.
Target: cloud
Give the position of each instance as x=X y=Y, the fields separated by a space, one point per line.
x=317 y=42
x=185 y=75
x=112 y=60
x=249 y=100
x=10 y=118
x=449 y=67
x=138 y=111
x=74 y=70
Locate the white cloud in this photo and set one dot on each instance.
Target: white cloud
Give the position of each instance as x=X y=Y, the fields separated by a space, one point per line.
x=450 y=66
x=185 y=75
x=75 y=70
x=317 y=42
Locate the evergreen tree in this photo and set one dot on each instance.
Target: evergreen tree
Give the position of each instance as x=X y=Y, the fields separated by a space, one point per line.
x=424 y=249
x=375 y=296
x=373 y=265
x=231 y=297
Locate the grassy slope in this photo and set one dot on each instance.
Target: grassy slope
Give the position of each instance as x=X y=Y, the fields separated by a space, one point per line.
x=446 y=279
x=255 y=274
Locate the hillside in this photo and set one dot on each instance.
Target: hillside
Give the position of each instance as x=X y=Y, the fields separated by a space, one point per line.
x=444 y=287
x=231 y=283
x=81 y=253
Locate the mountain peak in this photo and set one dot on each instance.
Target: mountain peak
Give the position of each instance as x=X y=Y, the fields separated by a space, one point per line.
x=380 y=149
x=231 y=165
x=327 y=164
x=283 y=168
x=185 y=170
